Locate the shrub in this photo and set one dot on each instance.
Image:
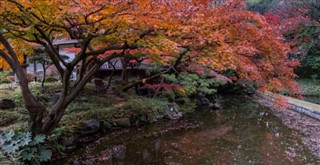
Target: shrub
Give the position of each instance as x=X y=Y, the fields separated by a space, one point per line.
x=19 y=146
x=51 y=79
x=195 y=84
x=3 y=78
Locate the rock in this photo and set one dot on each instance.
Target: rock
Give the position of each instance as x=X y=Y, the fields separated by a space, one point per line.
x=172 y=112
x=203 y=101
x=7 y=104
x=83 y=99
x=70 y=148
x=88 y=127
x=217 y=105
x=209 y=103
x=106 y=125
x=122 y=122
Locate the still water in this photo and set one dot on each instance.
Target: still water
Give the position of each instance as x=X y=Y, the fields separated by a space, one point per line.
x=243 y=132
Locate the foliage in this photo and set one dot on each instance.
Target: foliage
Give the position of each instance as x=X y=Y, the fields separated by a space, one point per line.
x=310 y=65
x=35 y=88
x=55 y=139
x=24 y=147
x=261 y=6
x=148 y=106
x=309 y=87
x=298 y=22
x=3 y=77
x=51 y=79
x=81 y=106
x=9 y=117
x=193 y=84
x=134 y=107
x=221 y=37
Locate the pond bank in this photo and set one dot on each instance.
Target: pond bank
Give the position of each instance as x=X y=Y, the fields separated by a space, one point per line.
x=307 y=127
x=241 y=132
x=304 y=107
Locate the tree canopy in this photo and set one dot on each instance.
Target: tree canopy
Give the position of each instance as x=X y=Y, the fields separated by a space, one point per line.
x=219 y=35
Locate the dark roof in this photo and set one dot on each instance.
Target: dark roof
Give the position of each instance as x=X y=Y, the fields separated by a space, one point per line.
x=65 y=42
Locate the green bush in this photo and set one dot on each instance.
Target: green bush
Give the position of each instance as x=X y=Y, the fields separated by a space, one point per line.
x=35 y=88
x=195 y=84
x=3 y=78
x=19 y=146
x=51 y=79
x=146 y=106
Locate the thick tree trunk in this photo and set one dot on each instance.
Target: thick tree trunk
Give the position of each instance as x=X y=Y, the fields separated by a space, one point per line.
x=66 y=97
x=35 y=108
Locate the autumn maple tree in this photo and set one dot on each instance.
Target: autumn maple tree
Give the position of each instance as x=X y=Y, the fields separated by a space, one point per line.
x=219 y=35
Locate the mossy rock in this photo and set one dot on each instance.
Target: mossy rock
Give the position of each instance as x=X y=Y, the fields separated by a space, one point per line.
x=122 y=122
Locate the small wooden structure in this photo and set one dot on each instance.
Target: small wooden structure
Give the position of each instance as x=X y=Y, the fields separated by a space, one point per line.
x=134 y=69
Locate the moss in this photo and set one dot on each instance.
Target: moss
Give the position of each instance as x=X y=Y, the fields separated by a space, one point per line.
x=137 y=108
x=9 y=117
x=5 y=93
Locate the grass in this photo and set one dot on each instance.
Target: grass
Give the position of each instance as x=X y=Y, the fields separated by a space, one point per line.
x=310 y=87
x=87 y=105
x=5 y=93
x=9 y=117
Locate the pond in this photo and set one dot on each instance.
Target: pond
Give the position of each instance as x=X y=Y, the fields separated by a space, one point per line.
x=243 y=132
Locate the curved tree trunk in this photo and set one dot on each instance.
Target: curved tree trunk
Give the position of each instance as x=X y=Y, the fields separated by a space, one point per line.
x=35 y=108
x=44 y=77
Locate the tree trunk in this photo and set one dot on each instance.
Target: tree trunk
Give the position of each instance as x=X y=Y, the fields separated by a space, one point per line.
x=44 y=77
x=34 y=107
x=124 y=76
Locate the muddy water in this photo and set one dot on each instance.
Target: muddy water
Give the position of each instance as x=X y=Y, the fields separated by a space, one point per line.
x=242 y=133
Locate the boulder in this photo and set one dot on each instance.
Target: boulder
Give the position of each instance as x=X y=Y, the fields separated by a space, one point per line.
x=172 y=112
x=122 y=122
x=7 y=104
x=87 y=127
x=209 y=103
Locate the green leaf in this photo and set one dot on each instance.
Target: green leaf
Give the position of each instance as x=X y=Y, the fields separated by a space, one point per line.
x=39 y=139
x=26 y=139
x=45 y=154
x=7 y=136
x=28 y=153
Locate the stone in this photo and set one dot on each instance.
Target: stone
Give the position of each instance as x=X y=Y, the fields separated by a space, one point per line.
x=70 y=148
x=217 y=105
x=7 y=104
x=88 y=127
x=172 y=112
x=122 y=122
x=83 y=99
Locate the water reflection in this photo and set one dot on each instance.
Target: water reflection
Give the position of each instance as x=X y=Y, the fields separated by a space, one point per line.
x=242 y=133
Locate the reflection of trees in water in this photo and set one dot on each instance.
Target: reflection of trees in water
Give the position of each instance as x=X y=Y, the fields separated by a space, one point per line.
x=141 y=153
x=239 y=134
